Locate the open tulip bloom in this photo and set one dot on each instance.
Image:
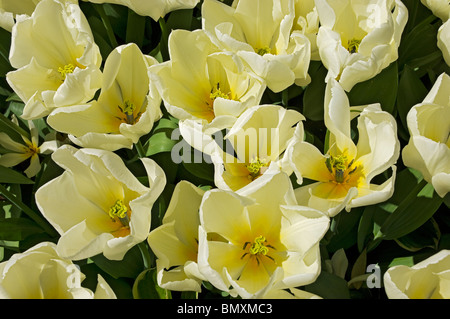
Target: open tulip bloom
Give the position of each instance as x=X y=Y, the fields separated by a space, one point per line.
x=343 y=175
x=201 y=84
x=428 y=149
x=113 y=209
x=126 y=109
x=260 y=32
x=57 y=63
x=40 y=273
x=253 y=241
x=357 y=40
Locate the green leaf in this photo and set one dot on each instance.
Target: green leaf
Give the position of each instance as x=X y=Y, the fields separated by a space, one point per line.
x=313 y=98
x=135 y=28
x=159 y=142
x=380 y=89
x=411 y=91
x=146 y=287
x=10 y=176
x=129 y=267
x=17 y=228
x=359 y=268
x=329 y=286
x=426 y=236
x=418 y=207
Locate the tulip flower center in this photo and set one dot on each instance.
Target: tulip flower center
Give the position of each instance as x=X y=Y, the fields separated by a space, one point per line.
x=256 y=168
x=259 y=248
x=128 y=110
x=262 y=51
x=353 y=45
x=215 y=93
x=68 y=68
x=119 y=211
x=340 y=167
x=32 y=149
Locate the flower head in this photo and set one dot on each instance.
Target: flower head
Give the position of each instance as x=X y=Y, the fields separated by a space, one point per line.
x=357 y=41
x=428 y=149
x=56 y=58
x=260 y=32
x=343 y=175
x=126 y=109
x=255 y=241
x=40 y=273
x=113 y=211
x=175 y=242
x=28 y=148
x=201 y=84
x=429 y=279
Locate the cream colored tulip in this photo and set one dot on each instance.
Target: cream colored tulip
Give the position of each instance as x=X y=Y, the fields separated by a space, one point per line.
x=443 y=41
x=357 y=40
x=97 y=205
x=429 y=279
x=202 y=84
x=429 y=127
x=175 y=242
x=307 y=22
x=40 y=273
x=155 y=8
x=29 y=149
x=440 y=8
x=126 y=109
x=260 y=32
x=343 y=175
x=254 y=241
x=56 y=58
x=258 y=138
x=9 y=9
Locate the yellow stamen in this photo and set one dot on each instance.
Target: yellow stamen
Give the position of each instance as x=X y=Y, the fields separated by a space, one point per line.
x=68 y=68
x=119 y=210
x=216 y=92
x=256 y=167
x=128 y=110
x=353 y=45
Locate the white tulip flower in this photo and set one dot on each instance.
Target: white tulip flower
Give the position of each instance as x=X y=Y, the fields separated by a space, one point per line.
x=40 y=273
x=97 y=205
x=56 y=58
x=357 y=40
x=428 y=149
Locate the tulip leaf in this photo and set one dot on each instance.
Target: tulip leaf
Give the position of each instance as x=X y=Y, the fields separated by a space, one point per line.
x=159 y=142
x=313 y=97
x=411 y=91
x=129 y=267
x=146 y=286
x=8 y=175
x=427 y=235
x=380 y=89
x=135 y=29
x=418 y=207
x=329 y=286
x=17 y=228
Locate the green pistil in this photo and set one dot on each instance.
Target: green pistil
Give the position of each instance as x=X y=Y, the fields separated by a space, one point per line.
x=353 y=45
x=338 y=166
x=254 y=168
x=262 y=51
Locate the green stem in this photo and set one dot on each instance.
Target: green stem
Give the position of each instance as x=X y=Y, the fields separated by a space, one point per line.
x=107 y=24
x=285 y=97
x=28 y=211
x=140 y=149
x=146 y=257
